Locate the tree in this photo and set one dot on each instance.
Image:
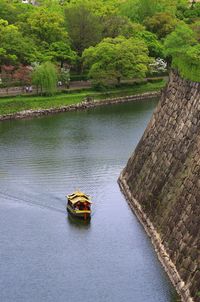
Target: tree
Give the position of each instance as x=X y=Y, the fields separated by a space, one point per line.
x=45 y=77
x=190 y=65
x=196 y=28
x=14 y=47
x=46 y=27
x=8 y=11
x=116 y=25
x=161 y=24
x=193 y=12
x=178 y=41
x=155 y=47
x=51 y=5
x=99 y=8
x=129 y=9
x=62 y=52
x=83 y=26
x=146 y=8
x=181 y=9
x=184 y=50
x=114 y=59
x=139 y=10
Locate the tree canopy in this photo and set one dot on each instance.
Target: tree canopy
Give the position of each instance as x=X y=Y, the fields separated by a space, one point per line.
x=45 y=78
x=114 y=59
x=184 y=50
x=83 y=26
x=14 y=47
x=60 y=31
x=161 y=24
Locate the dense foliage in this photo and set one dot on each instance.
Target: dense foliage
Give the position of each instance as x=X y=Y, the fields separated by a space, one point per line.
x=117 y=58
x=45 y=78
x=108 y=39
x=184 y=49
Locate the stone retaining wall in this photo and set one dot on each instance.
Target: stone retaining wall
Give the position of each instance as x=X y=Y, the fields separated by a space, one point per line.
x=80 y=106
x=162 y=183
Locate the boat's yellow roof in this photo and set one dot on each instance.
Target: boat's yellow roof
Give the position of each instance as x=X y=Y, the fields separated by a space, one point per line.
x=78 y=194
x=78 y=197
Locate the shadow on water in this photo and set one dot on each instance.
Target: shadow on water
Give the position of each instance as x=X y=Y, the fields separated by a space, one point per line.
x=78 y=223
x=175 y=297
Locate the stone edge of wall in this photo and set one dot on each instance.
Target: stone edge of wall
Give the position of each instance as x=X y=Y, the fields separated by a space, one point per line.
x=80 y=106
x=160 y=250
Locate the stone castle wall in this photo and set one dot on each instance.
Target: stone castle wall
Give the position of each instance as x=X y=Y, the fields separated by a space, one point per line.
x=162 y=183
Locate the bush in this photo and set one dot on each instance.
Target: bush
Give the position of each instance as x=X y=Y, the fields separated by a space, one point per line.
x=78 y=77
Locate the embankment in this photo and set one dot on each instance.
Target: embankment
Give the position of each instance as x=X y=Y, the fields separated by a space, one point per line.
x=80 y=106
x=161 y=182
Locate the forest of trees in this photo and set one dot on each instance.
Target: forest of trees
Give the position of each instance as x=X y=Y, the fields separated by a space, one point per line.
x=105 y=39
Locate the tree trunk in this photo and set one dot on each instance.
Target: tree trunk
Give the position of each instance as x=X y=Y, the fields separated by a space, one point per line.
x=118 y=81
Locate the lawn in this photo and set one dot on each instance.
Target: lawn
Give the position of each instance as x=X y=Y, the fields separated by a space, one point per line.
x=19 y=103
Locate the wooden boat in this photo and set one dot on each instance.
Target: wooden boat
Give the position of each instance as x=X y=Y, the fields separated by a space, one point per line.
x=79 y=205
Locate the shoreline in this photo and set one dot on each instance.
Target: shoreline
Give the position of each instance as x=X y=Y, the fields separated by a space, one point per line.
x=84 y=105
x=156 y=241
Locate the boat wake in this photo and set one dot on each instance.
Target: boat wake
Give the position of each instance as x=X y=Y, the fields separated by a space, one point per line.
x=31 y=203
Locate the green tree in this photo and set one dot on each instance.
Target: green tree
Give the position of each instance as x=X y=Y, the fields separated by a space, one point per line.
x=116 y=25
x=155 y=47
x=15 y=47
x=139 y=10
x=188 y=63
x=196 y=28
x=45 y=78
x=99 y=8
x=114 y=59
x=193 y=12
x=51 y=6
x=62 y=52
x=161 y=24
x=184 y=50
x=46 y=27
x=130 y=9
x=146 y=8
x=181 y=9
x=83 y=26
x=178 y=41
x=8 y=11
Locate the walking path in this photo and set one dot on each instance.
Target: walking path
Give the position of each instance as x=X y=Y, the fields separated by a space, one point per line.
x=14 y=91
x=76 y=85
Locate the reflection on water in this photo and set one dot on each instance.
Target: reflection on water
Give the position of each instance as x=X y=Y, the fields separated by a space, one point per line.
x=47 y=255
x=78 y=223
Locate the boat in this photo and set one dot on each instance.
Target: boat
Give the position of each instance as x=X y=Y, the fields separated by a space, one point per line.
x=79 y=205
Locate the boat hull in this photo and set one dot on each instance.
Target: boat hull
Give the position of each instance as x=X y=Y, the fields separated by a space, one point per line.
x=82 y=214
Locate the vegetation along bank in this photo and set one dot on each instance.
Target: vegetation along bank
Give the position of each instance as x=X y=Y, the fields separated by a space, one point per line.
x=23 y=107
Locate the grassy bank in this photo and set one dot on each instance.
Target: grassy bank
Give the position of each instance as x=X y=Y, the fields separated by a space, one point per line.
x=16 y=104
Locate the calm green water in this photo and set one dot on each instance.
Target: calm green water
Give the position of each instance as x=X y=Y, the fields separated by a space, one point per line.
x=46 y=255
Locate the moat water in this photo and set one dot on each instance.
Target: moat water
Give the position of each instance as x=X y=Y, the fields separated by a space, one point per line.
x=46 y=256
